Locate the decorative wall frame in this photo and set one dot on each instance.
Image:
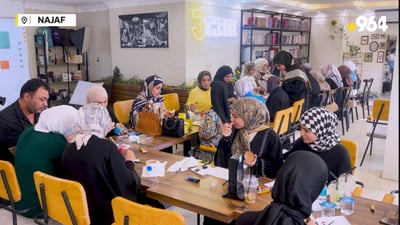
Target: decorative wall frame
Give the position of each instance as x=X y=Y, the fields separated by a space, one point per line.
x=380 y=57
x=364 y=40
x=382 y=45
x=383 y=36
x=368 y=57
x=147 y=30
x=374 y=36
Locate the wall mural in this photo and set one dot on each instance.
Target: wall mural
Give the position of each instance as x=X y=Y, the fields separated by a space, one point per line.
x=148 y=30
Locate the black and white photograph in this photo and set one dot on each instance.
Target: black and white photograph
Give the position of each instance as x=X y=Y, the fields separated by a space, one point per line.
x=148 y=30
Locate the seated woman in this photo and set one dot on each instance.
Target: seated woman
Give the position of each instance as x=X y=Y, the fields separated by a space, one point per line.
x=247 y=82
x=332 y=76
x=40 y=148
x=263 y=72
x=97 y=94
x=345 y=74
x=250 y=120
x=294 y=81
x=297 y=185
x=319 y=135
x=199 y=97
x=96 y=163
x=225 y=74
x=278 y=99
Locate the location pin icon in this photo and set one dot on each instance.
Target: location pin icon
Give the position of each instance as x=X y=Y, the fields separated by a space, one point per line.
x=24 y=19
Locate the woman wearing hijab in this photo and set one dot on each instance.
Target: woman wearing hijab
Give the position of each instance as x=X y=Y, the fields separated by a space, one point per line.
x=263 y=72
x=332 y=76
x=97 y=94
x=40 y=148
x=318 y=134
x=96 y=163
x=247 y=84
x=250 y=120
x=278 y=99
x=149 y=95
x=297 y=185
x=225 y=74
x=200 y=97
x=345 y=74
x=295 y=81
x=353 y=74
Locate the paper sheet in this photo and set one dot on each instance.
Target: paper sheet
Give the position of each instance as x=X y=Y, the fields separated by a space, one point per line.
x=337 y=220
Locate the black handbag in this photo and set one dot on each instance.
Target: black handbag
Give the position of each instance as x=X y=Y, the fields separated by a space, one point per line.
x=173 y=127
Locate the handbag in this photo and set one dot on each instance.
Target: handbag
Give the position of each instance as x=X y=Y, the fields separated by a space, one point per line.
x=173 y=127
x=148 y=123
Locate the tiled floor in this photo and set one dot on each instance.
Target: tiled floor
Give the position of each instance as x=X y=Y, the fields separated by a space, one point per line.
x=369 y=174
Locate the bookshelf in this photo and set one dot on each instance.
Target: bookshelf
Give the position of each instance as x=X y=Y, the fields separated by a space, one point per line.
x=264 y=33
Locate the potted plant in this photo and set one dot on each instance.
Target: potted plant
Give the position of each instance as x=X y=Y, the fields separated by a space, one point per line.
x=354 y=49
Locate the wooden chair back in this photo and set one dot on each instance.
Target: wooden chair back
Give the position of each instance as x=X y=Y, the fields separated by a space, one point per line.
x=376 y=107
x=9 y=186
x=297 y=110
x=282 y=120
x=122 y=110
x=62 y=200
x=351 y=147
x=127 y=212
x=171 y=101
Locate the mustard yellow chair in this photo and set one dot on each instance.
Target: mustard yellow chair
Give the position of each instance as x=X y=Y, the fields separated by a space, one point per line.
x=62 y=200
x=10 y=190
x=379 y=116
x=295 y=118
x=389 y=197
x=281 y=123
x=171 y=101
x=122 y=110
x=127 y=212
x=351 y=147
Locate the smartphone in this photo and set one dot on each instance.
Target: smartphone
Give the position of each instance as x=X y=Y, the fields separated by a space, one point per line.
x=388 y=221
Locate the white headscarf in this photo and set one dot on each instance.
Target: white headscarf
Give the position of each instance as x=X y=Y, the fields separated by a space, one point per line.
x=331 y=71
x=350 y=64
x=93 y=119
x=60 y=119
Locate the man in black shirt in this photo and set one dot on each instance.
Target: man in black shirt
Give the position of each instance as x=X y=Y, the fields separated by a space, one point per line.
x=24 y=112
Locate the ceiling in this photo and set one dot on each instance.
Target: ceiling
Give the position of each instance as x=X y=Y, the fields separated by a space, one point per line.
x=308 y=7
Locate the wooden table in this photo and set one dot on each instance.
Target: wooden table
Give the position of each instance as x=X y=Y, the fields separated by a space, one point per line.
x=162 y=142
x=198 y=198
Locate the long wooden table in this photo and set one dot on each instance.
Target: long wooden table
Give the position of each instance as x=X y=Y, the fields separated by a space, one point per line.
x=198 y=198
x=162 y=142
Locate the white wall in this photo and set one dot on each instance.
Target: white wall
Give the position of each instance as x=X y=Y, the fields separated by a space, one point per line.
x=169 y=62
x=211 y=52
x=99 y=53
x=391 y=158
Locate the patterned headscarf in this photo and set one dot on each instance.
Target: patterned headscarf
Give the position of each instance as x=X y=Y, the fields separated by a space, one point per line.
x=50 y=120
x=322 y=123
x=254 y=114
x=200 y=77
x=94 y=119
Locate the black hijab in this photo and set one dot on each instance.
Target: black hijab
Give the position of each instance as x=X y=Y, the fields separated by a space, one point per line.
x=220 y=74
x=219 y=100
x=297 y=184
x=285 y=58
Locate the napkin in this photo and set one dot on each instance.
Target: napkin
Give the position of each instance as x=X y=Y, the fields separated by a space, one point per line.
x=183 y=164
x=154 y=170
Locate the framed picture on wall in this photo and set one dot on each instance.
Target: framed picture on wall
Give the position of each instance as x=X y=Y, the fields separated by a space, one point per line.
x=368 y=57
x=383 y=36
x=364 y=40
x=374 y=36
x=147 y=30
x=380 y=57
x=382 y=45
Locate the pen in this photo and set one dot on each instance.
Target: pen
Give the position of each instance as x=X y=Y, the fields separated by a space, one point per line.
x=331 y=222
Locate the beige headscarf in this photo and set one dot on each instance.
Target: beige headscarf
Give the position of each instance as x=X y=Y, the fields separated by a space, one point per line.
x=255 y=116
x=93 y=119
x=95 y=93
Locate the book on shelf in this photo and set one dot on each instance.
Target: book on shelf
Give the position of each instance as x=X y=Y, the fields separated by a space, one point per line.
x=259 y=54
